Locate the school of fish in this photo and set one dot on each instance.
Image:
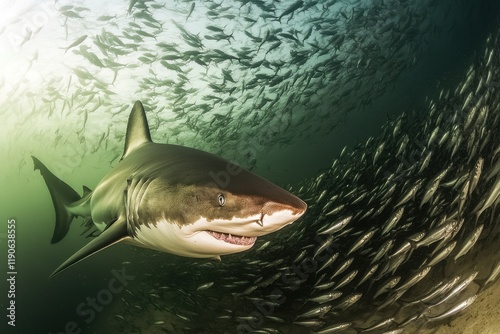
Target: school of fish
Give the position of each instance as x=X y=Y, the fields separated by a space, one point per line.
x=260 y=72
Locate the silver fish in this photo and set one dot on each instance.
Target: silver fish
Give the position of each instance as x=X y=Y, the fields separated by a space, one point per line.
x=469 y=242
x=337 y=226
x=326 y=297
x=454 y=310
x=336 y=328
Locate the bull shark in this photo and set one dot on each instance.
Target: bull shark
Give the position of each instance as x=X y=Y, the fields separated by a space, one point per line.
x=173 y=199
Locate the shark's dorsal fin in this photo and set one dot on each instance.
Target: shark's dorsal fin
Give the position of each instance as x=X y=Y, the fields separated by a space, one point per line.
x=137 y=129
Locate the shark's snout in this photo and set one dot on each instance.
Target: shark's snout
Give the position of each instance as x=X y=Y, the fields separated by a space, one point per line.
x=296 y=206
x=277 y=215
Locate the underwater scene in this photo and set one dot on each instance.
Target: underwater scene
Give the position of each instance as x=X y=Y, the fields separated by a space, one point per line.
x=250 y=166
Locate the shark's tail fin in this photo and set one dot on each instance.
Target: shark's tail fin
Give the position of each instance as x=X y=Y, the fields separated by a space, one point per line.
x=62 y=196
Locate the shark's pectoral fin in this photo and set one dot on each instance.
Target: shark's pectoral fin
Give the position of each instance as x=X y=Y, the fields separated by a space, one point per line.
x=115 y=233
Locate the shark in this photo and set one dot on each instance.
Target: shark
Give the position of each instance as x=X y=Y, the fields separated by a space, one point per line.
x=173 y=199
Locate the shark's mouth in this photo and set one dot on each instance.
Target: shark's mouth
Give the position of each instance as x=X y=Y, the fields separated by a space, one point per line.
x=233 y=239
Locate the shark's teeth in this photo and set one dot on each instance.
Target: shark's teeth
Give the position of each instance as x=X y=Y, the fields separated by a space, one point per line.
x=233 y=239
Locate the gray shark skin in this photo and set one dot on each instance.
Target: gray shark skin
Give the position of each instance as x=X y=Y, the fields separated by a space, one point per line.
x=174 y=199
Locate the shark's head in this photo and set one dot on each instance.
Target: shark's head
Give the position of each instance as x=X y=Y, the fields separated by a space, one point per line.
x=211 y=207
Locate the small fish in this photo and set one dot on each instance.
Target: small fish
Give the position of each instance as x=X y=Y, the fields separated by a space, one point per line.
x=105 y=18
x=363 y=239
x=180 y=316
x=410 y=193
x=71 y=14
x=324 y=286
x=467 y=101
x=347 y=279
x=463 y=196
x=378 y=152
x=475 y=175
x=492 y=277
x=204 y=286
x=270 y=280
x=469 y=242
x=439 y=289
x=417 y=277
x=315 y=312
x=336 y=328
x=275 y=319
x=490 y=198
x=386 y=246
x=443 y=254
x=336 y=210
x=131 y=5
x=349 y=301
x=438 y=233
x=292 y=8
x=388 y=285
x=326 y=297
x=310 y=323
x=368 y=274
x=393 y=220
x=191 y=8
x=430 y=191
x=323 y=246
x=27 y=37
x=214 y=28
x=454 y=310
x=456 y=290
x=337 y=226
x=92 y=57
x=379 y=325
x=342 y=267
x=395 y=331
x=329 y=262
x=117 y=316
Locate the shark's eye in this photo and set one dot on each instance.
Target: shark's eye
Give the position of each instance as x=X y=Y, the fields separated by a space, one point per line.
x=221 y=199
